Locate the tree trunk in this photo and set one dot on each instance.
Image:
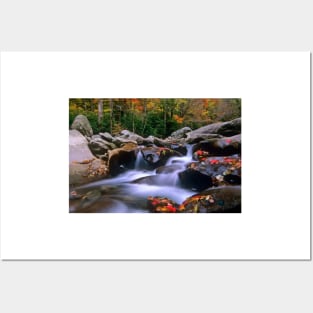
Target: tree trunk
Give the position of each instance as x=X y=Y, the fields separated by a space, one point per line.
x=111 y=115
x=133 y=117
x=145 y=115
x=100 y=111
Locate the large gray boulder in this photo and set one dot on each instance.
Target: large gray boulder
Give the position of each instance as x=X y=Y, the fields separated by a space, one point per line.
x=78 y=145
x=82 y=124
x=227 y=129
x=83 y=166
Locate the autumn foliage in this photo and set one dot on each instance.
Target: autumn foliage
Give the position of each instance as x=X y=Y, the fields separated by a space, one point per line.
x=153 y=116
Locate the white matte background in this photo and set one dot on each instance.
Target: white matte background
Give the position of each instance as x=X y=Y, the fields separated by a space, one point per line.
x=274 y=87
x=163 y=25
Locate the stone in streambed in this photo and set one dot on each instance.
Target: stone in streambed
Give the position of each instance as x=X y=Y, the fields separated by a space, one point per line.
x=168 y=169
x=122 y=159
x=195 y=180
x=220 y=146
x=157 y=156
x=226 y=199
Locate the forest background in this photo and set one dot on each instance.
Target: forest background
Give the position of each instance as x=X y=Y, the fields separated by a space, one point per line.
x=152 y=116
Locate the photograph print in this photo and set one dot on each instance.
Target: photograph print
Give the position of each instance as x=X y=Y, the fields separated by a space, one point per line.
x=156 y=155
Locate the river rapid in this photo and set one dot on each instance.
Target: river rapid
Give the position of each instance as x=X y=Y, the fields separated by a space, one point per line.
x=127 y=194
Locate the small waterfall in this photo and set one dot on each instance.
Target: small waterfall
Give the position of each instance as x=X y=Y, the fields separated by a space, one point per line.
x=182 y=160
x=139 y=164
x=189 y=151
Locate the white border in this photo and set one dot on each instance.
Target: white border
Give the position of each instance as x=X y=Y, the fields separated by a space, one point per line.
x=275 y=92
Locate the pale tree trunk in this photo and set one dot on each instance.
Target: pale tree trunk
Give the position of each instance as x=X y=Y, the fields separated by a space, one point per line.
x=164 y=119
x=100 y=111
x=111 y=115
x=133 y=122
x=145 y=114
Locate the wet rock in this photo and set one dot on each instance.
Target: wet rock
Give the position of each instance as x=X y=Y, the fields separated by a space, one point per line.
x=232 y=179
x=122 y=159
x=149 y=180
x=181 y=148
x=218 y=165
x=157 y=156
x=195 y=180
x=168 y=169
x=82 y=124
x=225 y=199
x=220 y=146
x=87 y=171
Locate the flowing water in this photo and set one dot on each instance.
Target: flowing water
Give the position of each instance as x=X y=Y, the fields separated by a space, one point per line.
x=122 y=195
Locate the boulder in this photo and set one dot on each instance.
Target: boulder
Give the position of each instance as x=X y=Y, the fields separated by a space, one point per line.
x=122 y=159
x=220 y=146
x=83 y=166
x=219 y=166
x=99 y=147
x=157 y=156
x=180 y=133
x=106 y=136
x=195 y=180
x=229 y=128
x=195 y=137
x=78 y=147
x=82 y=124
x=181 y=148
x=119 y=141
x=226 y=199
x=126 y=134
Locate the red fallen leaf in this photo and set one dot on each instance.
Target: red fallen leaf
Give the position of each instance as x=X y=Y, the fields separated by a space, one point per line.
x=228 y=141
x=199 y=152
x=171 y=208
x=214 y=161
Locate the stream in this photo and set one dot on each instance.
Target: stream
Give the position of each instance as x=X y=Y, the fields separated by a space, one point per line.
x=128 y=192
